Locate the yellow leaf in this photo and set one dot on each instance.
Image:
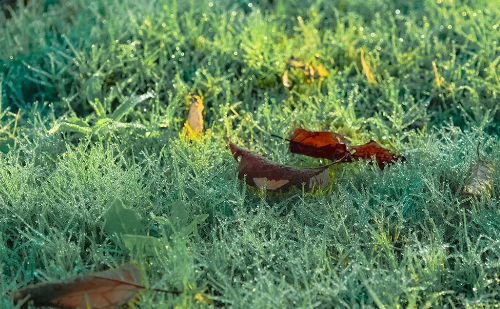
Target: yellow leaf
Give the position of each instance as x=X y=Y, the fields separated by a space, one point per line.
x=286 y=82
x=437 y=77
x=310 y=71
x=194 y=123
x=366 y=69
x=294 y=63
x=320 y=71
x=314 y=72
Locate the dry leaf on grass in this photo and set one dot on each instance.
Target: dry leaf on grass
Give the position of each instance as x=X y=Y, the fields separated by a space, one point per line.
x=263 y=173
x=382 y=155
x=437 y=78
x=327 y=145
x=310 y=71
x=366 y=68
x=194 y=123
x=334 y=146
x=481 y=178
x=107 y=289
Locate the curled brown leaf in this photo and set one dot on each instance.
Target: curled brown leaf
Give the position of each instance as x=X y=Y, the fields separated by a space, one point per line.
x=263 y=173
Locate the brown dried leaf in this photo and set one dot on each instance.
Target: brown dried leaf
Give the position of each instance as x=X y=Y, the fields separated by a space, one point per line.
x=107 y=289
x=327 y=145
x=334 y=146
x=366 y=151
x=263 y=173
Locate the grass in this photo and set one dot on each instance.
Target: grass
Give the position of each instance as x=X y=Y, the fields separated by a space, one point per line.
x=93 y=98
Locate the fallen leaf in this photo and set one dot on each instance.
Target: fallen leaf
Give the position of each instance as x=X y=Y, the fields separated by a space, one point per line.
x=327 y=145
x=480 y=180
x=334 y=146
x=194 y=122
x=263 y=173
x=314 y=72
x=294 y=63
x=437 y=77
x=310 y=71
x=107 y=289
x=366 y=69
x=286 y=81
x=382 y=155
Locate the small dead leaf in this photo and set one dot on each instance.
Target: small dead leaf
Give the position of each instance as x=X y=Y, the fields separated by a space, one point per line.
x=194 y=122
x=286 y=81
x=107 y=289
x=263 y=173
x=294 y=63
x=366 y=151
x=334 y=146
x=480 y=180
x=326 y=145
x=110 y=289
x=314 y=72
x=320 y=71
x=437 y=77
x=366 y=68
x=310 y=71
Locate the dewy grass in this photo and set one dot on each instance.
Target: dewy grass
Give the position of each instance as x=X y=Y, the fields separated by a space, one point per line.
x=402 y=237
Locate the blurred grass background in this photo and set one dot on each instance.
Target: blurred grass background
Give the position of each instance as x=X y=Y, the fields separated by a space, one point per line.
x=93 y=100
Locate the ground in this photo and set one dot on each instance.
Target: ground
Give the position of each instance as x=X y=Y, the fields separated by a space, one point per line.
x=98 y=168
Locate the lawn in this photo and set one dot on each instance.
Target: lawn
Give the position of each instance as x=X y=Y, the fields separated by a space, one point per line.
x=98 y=168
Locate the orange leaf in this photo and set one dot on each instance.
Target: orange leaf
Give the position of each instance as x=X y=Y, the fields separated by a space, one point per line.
x=326 y=145
x=263 y=173
x=334 y=146
x=372 y=148
x=107 y=289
